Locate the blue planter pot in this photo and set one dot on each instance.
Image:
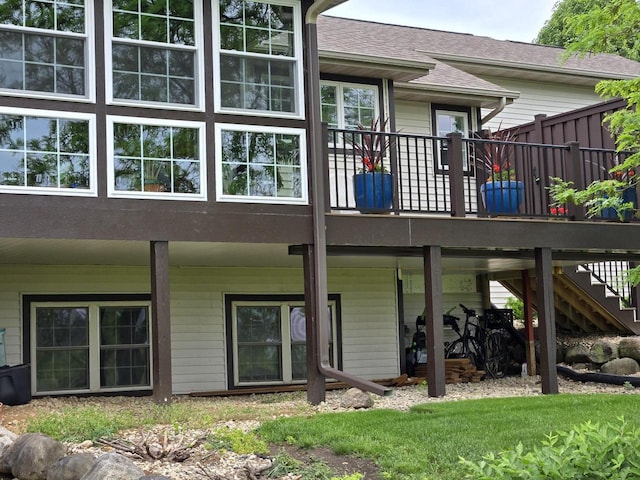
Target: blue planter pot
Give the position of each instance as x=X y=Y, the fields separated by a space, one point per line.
x=373 y=190
x=628 y=195
x=502 y=197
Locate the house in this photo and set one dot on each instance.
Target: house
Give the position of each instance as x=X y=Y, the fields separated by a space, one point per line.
x=172 y=222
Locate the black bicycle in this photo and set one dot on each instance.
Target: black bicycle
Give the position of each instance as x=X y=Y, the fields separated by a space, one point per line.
x=485 y=348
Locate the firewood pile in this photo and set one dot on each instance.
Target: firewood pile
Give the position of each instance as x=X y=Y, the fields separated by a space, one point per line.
x=151 y=447
x=456 y=370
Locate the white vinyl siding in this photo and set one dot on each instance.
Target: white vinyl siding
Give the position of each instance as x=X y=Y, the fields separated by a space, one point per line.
x=538 y=97
x=369 y=322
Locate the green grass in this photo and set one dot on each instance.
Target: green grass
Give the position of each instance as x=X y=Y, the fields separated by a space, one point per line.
x=427 y=442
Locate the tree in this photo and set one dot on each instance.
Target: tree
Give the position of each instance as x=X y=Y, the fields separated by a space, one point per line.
x=606 y=26
x=597 y=32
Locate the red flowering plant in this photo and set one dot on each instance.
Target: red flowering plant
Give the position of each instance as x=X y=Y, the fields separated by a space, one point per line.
x=370 y=146
x=494 y=155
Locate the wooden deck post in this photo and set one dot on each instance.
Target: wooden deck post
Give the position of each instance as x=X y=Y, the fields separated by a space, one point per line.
x=316 y=387
x=546 y=320
x=161 y=323
x=434 y=328
x=577 y=177
x=456 y=174
x=528 y=323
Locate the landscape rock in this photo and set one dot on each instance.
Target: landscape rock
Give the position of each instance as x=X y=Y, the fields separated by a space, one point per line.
x=31 y=455
x=578 y=353
x=603 y=350
x=154 y=477
x=629 y=347
x=73 y=467
x=621 y=366
x=112 y=466
x=7 y=438
x=356 y=398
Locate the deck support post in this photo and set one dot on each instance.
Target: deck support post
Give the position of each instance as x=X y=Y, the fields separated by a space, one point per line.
x=316 y=387
x=161 y=322
x=434 y=328
x=528 y=323
x=456 y=174
x=546 y=320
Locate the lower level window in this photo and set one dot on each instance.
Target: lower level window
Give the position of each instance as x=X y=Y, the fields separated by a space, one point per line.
x=90 y=347
x=269 y=341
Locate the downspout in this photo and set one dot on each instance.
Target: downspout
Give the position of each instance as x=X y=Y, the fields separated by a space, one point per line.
x=316 y=151
x=495 y=111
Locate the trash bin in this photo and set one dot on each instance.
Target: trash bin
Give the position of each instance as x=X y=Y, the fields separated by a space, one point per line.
x=3 y=352
x=15 y=384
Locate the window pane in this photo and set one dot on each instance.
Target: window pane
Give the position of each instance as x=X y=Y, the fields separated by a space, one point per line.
x=258 y=324
x=259 y=363
x=152 y=158
x=62 y=352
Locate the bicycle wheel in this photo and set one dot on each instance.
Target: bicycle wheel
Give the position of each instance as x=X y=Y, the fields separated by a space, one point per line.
x=455 y=349
x=497 y=354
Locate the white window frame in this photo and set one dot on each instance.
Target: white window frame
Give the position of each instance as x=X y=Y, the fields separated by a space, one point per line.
x=92 y=191
x=113 y=193
x=94 y=344
x=199 y=62
x=340 y=98
x=90 y=62
x=297 y=59
x=285 y=332
x=300 y=132
x=465 y=134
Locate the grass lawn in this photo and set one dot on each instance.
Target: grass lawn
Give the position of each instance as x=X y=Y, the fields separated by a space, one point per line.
x=426 y=442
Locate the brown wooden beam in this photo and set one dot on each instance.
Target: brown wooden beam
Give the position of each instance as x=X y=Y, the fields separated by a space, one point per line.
x=316 y=386
x=546 y=320
x=528 y=323
x=161 y=323
x=434 y=328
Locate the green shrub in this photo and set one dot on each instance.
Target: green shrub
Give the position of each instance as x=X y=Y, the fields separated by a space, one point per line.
x=590 y=451
x=236 y=441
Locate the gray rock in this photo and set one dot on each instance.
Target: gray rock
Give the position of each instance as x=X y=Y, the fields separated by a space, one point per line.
x=72 y=467
x=7 y=437
x=356 y=398
x=621 y=366
x=32 y=454
x=112 y=466
x=603 y=350
x=629 y=347
x=154 y=477
x=578 y=353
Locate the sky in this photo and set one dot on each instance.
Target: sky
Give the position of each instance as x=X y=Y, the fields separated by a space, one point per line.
x=519 y=20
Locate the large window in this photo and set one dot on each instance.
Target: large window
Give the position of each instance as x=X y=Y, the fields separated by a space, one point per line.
x=44 y=47
x=261 y=164
x=90 y=347
x=259 y=68
x=154 y=158
x=269 y=340
x=154 y=51
x=346 y=105
x=450 y=121
x=45 y=154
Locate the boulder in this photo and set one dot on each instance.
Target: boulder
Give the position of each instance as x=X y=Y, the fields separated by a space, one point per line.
x=31 y=455
x=72 y=467
x=629 y=347
x=7 y=437
x=154 y=477
x=603 y=350
x=356 y=398
x=578 y=353
x=112 y=466
x=621 y=366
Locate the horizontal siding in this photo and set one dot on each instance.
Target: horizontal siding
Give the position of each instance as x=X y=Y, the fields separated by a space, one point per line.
x=539 y=97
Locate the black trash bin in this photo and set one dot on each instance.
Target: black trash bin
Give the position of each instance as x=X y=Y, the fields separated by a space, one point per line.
x=15 y=384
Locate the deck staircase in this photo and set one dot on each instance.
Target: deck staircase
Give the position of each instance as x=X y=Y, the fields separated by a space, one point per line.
x=583 y=303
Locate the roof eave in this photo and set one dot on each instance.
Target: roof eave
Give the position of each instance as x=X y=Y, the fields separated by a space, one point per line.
x=399 y=70
x=480 y=96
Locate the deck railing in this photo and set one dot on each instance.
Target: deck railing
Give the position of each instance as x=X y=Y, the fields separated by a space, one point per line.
x=448 y=175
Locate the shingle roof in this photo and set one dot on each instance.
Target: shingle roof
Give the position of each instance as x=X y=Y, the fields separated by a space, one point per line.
x=412 y=43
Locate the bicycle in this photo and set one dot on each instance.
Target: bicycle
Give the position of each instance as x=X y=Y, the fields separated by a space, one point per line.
x=486 y=348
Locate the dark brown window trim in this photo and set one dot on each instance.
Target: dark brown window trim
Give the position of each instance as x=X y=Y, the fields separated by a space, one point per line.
x=434 y=131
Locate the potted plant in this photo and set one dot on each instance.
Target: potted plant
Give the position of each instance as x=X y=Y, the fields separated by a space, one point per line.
x=502 y=192
x=372 y=184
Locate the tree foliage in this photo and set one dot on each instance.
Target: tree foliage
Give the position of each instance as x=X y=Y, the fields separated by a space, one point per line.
x=591 y=26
